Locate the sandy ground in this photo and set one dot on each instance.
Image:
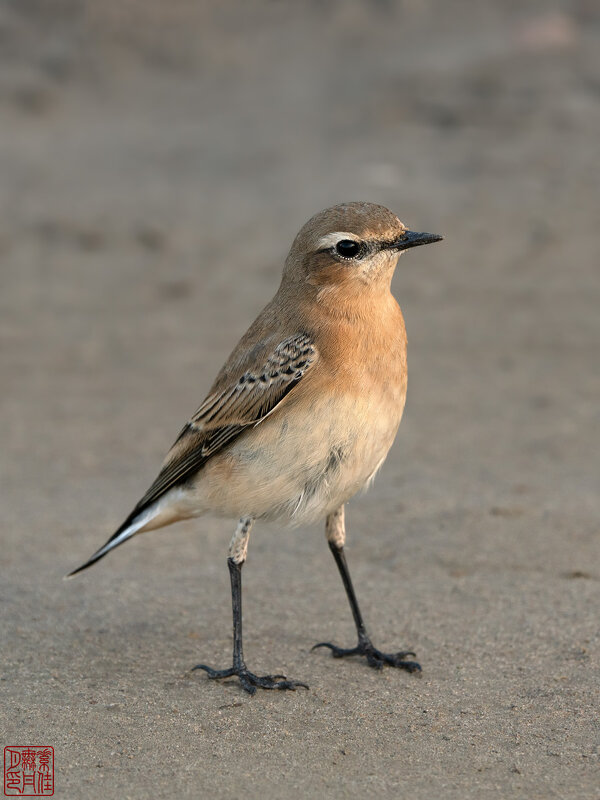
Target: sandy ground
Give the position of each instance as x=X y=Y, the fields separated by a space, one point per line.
x=156 y=160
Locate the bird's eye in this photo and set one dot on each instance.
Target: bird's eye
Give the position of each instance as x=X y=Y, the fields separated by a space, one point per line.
x=347 y=248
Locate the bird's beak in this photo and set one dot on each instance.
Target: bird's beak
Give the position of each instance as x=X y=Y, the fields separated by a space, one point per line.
x=414 y=239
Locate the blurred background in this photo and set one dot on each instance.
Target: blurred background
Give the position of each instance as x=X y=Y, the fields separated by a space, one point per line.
x=157 y=159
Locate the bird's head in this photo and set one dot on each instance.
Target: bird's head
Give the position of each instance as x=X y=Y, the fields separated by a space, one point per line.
x=351 y=244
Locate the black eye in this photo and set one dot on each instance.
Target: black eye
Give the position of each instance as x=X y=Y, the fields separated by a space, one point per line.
x=347 y=248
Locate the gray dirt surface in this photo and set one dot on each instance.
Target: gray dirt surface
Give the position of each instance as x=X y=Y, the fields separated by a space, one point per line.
x=156 y=161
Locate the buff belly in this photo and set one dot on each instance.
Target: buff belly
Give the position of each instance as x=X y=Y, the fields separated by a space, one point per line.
x=286 y=470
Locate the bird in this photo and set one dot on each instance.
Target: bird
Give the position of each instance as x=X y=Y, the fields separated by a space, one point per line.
x=301 y=416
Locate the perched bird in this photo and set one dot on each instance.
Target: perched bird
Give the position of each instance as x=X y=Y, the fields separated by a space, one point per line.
x=303 y=413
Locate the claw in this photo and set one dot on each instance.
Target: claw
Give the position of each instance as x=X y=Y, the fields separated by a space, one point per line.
x=215 y=673
x=375 y=658
x=249 y=681
x=338 y=652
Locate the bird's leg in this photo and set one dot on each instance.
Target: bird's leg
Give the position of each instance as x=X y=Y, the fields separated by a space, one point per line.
x=237 y=556
x=336 y=536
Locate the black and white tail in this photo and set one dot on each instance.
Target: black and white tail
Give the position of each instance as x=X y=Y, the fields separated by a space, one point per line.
x=134 y=523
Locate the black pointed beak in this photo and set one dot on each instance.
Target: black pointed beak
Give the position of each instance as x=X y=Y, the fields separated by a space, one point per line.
x=414 y=239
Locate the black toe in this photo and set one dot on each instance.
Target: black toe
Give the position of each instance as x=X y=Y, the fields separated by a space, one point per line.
x=375 y=658
x=249 y=681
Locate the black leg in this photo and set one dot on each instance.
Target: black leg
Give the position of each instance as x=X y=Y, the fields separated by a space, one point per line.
x=340 y=560
x=375 y=658
x=248 y=680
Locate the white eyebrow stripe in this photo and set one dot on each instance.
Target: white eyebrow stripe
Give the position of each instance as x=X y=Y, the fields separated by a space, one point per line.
x=331 y=239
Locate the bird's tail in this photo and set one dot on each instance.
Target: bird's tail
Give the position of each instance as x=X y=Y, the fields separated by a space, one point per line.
x=132 y=525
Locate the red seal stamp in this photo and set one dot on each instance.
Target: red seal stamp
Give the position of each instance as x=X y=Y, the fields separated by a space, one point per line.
x=28 y=771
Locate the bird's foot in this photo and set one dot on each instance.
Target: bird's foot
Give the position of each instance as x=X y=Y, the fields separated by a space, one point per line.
x=375 y=658
x=249 y=680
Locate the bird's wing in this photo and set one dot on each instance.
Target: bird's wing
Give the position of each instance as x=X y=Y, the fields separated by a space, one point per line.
x=241 y=403
x=241 y=397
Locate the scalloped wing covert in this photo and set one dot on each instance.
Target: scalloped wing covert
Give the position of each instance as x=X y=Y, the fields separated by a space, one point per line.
x=225 y=414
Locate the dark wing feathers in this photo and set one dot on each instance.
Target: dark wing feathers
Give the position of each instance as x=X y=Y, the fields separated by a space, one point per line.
x=226 y=413
x=286 y=364
x=235 y=404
